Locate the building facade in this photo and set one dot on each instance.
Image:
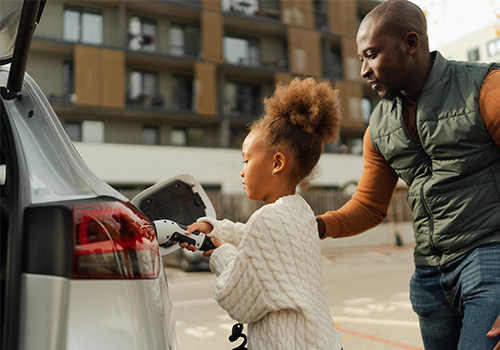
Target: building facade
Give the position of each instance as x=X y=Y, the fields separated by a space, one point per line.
x=482 y=46
x=159 y=76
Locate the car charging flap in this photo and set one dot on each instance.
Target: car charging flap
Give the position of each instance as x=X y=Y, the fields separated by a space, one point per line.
x=181 y=199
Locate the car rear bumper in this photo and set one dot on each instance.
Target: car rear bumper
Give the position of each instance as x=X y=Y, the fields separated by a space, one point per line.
x=60 y=313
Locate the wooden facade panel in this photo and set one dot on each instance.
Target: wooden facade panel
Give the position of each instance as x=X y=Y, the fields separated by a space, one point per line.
x=205 y=89
x=298 y=13
x=304 y=45
x=351 y=94
x=88 y=75
x=350 y=59
x=113 y=78
x=212 y=35
x=342 y=17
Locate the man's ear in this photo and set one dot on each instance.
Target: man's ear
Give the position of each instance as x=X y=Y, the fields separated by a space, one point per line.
x=412 y=41
x=279 y=163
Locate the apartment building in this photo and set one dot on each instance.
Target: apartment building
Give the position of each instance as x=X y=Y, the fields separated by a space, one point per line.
x=482 y=45
x=133 y=78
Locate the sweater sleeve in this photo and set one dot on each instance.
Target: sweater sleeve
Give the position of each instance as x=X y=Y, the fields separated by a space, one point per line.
x=242 y=287
x=489 y=104
x=369 y=205
x=226 y=231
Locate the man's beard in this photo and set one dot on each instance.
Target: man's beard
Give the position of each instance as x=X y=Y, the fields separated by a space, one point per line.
x=390 y=95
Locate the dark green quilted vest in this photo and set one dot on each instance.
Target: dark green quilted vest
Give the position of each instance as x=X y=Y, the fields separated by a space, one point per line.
x=454 y=175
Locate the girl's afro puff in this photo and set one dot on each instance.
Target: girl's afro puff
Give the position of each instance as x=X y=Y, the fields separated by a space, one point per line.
x=308 y=105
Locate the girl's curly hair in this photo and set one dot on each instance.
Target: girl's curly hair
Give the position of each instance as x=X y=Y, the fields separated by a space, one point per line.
x=302 y=117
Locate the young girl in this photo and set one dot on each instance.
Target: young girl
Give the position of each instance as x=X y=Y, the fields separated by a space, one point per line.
x=269 y=269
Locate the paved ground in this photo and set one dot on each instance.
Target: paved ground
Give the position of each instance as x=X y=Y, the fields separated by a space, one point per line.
x=366 y=289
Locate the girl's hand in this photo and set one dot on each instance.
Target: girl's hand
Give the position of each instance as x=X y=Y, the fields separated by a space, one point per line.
x=201 y=226
x=216 y=243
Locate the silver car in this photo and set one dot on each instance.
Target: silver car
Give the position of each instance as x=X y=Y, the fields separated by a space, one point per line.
x=80 y=264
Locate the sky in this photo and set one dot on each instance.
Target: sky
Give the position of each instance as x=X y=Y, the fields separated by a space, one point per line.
x=449 y=20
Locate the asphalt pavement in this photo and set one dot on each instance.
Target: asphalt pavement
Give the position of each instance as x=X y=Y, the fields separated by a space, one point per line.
x=366 y=290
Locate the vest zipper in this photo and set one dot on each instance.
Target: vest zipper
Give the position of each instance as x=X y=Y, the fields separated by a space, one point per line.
x=429 y=163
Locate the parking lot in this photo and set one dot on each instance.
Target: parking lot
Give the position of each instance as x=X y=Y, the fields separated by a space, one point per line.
x=366 y=289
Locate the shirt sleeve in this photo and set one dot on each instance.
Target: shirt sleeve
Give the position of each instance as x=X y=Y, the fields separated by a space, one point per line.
x=489 y=104
x=369 y=205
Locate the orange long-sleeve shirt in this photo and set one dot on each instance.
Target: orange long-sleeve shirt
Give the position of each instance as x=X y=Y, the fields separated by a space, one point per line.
x=368 y=206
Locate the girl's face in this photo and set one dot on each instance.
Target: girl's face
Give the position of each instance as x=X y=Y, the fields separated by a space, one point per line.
x=257 y=168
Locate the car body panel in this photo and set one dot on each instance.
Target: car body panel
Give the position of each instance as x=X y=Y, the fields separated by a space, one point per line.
x=56 y=170
x=62 y=313
x=92 y=314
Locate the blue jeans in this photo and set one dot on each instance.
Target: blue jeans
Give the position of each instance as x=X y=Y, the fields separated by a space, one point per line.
x=458 y=303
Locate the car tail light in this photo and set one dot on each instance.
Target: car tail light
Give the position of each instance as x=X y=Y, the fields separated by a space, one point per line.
x=113 y=240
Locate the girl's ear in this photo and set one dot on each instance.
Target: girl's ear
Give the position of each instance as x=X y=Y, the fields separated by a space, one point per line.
x=279 y=163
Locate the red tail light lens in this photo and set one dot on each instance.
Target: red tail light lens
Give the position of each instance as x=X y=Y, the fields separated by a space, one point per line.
x=114 y=240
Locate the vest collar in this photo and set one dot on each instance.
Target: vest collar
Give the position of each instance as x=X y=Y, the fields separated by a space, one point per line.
x=436 y=72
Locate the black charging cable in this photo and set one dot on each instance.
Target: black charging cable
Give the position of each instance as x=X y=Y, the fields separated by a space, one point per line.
x=237 y=333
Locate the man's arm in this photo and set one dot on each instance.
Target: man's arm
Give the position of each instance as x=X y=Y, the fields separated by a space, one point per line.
x=489 y=104
x=368 y=206
x=489 y=108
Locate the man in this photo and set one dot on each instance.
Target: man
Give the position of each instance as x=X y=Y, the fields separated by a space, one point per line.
x=437 y=127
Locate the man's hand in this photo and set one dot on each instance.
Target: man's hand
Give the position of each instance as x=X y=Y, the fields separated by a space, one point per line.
x=495 y=331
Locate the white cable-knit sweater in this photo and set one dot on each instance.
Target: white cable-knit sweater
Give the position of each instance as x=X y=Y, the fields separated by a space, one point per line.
x=269 y=276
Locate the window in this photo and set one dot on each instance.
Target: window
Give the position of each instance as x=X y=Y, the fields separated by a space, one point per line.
x=320 y=14
x=182 y=92
x=241 y=51
x=184 y=40
x=333 y=61
x=144 y=89
x=246 y=7
x=83 y=25
x=366 y=109
x=473 y=55
x=142 y=34
x=178 y=137
x=188 y=137
x=494 y=47
x=74 y=131
x=85 y=131
x=150 y=135
x=68 y=78
x=269 y=9
x=240 y=98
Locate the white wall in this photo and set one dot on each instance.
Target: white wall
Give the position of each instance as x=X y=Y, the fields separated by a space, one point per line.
x=145 y=165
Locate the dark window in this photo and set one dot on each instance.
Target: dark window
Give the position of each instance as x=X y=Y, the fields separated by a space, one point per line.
x=473 y=55
x=320 y=14
x=74 y=131
x=150 y=135
x=68 y=77
x=333 y=60
x=182 y=92
x=184 y=40
x=242 y=98
x=143 y=88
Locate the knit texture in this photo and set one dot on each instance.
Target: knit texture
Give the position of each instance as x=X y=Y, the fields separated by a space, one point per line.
x=269 y=276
